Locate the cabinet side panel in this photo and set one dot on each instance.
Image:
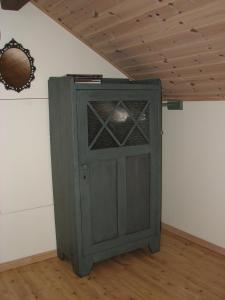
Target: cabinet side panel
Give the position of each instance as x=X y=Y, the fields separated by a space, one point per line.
x=62 y=157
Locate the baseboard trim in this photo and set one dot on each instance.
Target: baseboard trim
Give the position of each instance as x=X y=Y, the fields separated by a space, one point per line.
x=165 y=227
x=193 y=239
x=27 y=260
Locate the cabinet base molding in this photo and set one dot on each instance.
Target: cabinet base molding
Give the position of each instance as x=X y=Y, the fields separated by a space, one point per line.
x=193 y=239
x=27 y=260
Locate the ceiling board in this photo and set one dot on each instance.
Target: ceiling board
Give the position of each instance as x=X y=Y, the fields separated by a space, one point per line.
x=182 y=42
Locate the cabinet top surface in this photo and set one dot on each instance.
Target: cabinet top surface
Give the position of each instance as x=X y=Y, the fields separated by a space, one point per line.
x=113 y=84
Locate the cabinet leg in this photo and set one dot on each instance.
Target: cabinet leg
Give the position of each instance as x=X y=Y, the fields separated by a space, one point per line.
x=154 y=244
x=83 y=266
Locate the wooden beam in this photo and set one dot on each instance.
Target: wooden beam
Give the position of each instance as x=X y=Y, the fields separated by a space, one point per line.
x=13 y=4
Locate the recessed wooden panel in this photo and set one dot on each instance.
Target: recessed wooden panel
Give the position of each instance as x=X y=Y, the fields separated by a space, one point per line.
x=138 y=192
x=103 y=202
x=174 y=40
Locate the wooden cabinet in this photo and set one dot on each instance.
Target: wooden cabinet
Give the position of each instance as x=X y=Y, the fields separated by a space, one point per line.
x=106 y=167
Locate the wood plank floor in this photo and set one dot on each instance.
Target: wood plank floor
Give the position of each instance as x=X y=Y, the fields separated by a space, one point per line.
x=181 y=270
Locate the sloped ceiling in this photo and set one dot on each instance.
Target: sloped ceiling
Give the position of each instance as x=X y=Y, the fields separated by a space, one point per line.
x=182 y=42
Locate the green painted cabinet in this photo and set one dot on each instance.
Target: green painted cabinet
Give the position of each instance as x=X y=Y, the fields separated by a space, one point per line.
x=106 y=167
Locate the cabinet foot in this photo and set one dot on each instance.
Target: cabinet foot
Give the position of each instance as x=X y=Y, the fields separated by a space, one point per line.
x=154 y=244
x=83 y=266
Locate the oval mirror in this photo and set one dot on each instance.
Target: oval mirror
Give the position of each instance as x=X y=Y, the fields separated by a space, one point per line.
x=16 y=66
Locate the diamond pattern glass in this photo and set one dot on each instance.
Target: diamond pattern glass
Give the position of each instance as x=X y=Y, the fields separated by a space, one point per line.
x=144 y=121
x=105 y=140
x=135 y=138
x=135 y=107
x=94 y=126
x=118 y=123
x=103 y=108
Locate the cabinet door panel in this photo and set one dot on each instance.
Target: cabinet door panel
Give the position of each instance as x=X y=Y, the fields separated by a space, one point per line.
x=103 y=202
x=117 y=133
x=138 y=192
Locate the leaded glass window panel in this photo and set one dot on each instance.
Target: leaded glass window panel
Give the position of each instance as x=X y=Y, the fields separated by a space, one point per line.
x=118 y=123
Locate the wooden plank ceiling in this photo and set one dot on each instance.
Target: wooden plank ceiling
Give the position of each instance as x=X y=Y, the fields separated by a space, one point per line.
x=182 y=42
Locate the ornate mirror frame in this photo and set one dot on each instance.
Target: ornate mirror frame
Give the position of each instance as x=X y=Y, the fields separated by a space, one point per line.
x=10 y=45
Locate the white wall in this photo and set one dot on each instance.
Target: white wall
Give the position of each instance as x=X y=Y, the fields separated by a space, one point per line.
x=194 y=170
x=26 y=201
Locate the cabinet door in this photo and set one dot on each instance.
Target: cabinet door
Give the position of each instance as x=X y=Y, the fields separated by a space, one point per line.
x=118 y=134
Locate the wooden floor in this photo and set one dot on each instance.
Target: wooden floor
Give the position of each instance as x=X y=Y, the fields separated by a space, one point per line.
x=181 y=270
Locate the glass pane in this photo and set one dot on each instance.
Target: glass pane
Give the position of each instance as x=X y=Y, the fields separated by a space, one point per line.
x=103 y=108
x=135 y=107
x=120 y=123
x=93 y=126
x=136 y=138
x=144 y=121
x=104 y=140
